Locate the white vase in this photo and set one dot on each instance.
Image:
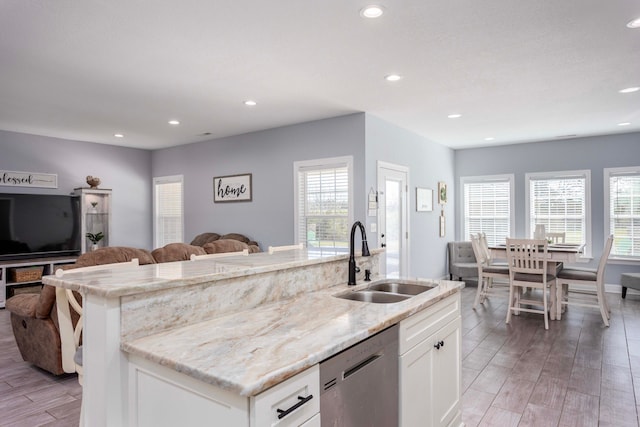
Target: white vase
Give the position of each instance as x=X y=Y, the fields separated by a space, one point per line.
x=94 y=246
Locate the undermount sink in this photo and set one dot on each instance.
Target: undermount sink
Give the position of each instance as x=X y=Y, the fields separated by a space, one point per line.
x=386 y=292
x=400 y=288
x=373 y=296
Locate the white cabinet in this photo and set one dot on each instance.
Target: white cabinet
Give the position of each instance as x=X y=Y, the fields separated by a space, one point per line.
x=159 y=396
x=10 y=273
x=430 y=366
x=95 y=214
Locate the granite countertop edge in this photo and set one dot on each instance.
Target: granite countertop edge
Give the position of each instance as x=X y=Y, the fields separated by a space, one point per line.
x=234 y=371
x=140 y=279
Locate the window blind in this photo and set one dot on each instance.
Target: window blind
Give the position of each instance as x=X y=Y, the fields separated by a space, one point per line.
x=323 y=207
x=487 y=209
x=560 y=205
x=168 y=210
x=624 y=213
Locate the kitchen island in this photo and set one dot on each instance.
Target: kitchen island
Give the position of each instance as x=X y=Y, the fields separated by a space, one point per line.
x=232 y=329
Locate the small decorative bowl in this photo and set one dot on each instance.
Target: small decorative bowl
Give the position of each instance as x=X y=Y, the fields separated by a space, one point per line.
x=93 y=181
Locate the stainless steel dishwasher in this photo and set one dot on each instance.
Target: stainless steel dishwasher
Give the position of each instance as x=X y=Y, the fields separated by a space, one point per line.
x=359 y=386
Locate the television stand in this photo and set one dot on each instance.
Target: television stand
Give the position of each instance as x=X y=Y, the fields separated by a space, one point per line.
x=14 y=274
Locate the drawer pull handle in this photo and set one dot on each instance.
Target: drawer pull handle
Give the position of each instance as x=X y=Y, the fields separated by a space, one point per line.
x=302 y=400
x=439 y=344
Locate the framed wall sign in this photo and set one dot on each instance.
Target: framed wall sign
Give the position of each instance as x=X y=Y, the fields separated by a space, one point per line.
x=424 y=199
x=232 y=188
x=28 y=179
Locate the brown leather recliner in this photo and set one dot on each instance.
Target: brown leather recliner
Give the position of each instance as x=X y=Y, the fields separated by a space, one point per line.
x=34 y=316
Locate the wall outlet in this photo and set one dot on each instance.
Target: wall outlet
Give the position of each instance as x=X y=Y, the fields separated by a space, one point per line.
x=373 y=227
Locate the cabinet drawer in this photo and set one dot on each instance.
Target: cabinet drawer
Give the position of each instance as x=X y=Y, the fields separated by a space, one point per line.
x=302 y=390
x=421 y=325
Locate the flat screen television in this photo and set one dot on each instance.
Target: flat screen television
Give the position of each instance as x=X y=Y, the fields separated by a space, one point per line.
x=39 y=225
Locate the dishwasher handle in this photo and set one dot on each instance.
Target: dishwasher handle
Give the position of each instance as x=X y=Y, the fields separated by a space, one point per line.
x=301 y=401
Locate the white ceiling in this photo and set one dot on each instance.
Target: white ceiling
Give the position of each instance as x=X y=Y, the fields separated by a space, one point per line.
x=517 y=71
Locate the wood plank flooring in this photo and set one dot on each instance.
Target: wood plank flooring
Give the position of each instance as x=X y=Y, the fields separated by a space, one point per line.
x=29 y=396
x=578 y=373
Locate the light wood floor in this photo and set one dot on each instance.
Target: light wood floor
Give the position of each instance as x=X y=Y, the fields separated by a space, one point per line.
x=578 y=373
x=29 y=396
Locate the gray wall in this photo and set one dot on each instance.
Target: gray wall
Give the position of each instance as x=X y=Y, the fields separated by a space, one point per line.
x=125 y=170
x=269 y=156
x=594 y=154
x=428 y=163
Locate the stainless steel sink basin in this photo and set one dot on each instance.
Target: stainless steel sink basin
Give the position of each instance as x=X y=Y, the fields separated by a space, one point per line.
x=400 y=288
x=373 y=296
x=387 y=291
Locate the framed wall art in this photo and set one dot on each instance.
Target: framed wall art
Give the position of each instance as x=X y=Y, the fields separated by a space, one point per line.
x=442 y=193
x=424 y=199
x=232 y=188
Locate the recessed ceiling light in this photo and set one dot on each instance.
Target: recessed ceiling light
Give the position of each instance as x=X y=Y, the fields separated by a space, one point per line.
x=624 y=124
x=393 y=77
x=174 y=122
x=629 y=90
x=634 y=24
x=250 y=103
x=372 y=11
x=454 y=116
x=489 y=138
x=118 y=135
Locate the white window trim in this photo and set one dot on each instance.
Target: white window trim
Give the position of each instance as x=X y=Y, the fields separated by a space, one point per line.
x=165 y=180
x=586 y=173
x=607 y=172
x=329 y=162
x=488 y=178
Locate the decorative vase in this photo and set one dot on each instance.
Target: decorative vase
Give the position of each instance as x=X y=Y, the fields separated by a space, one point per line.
x=94 y=246
x=93 y=181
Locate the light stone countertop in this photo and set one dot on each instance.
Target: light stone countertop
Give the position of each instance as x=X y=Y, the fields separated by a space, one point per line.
x=249 y=351
x=132 y=280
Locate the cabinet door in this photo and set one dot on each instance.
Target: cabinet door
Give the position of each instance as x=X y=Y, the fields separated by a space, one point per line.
x=446 y=374
x=313 y=422
x=416 y=368
x=430 y=379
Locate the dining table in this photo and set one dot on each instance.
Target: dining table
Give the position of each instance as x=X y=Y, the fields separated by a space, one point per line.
x=557 y=254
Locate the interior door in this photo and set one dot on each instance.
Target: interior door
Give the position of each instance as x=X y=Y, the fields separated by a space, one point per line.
x=392 y=220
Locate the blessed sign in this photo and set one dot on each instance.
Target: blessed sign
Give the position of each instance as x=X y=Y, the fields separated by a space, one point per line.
x=28 y=179
x=232 y=188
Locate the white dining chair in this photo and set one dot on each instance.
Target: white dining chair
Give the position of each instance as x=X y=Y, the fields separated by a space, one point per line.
x=69 y=307
x=592 y=279
x=487 y=272
x=527 y=260
x=273 y=249
x=194 y=257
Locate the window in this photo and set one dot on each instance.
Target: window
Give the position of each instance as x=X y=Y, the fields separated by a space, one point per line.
x=324 y=207
x=561 y=202
x=488 y=207
x=622 y=211
x=168 y=212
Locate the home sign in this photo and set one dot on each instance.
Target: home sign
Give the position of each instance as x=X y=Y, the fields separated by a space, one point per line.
x=232 y=188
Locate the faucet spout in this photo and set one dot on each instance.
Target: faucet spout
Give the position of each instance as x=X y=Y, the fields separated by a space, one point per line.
x=365 y=251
